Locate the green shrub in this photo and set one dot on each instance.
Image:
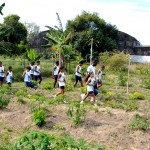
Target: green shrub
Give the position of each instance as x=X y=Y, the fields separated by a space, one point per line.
x=130 y=105
x=83 y=89
x=118 y=61
x=20 y=100
x=146 y=84
x=48 y=85
x=122 y=79
x=42 y=141
x=39 y=116
x=136 y=95
x=4 y=101
x=140 y=123
x=112 y=104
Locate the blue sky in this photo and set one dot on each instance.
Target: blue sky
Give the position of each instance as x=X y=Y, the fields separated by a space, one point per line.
x=130 y=16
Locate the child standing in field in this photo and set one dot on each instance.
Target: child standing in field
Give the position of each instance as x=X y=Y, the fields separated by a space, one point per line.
x=99 y=76
x=37 y=73
x=27 y=77
x=9 y=76
x=61 y=80
x=1 y=74
x=92 y=68
x=78 y=74
x=32 y=70
x=55 y=72
x=90 y=82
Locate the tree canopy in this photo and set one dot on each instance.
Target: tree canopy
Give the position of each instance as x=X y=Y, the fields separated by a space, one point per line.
x=87 y=26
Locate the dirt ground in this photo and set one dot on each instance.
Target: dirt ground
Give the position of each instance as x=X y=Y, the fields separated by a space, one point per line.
x=107 y=127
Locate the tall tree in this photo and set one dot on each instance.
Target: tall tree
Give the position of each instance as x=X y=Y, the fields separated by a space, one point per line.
x=33 y=29
x=4 y=33
x=89 y=26
x=18 y=36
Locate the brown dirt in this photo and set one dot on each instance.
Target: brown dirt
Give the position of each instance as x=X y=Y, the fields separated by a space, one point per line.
x=107 y=126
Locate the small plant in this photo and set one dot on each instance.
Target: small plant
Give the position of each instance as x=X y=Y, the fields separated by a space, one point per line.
x=130 y=105
x=83 y=89
x=20 y=100
x=140 y=123
x=4 y=101
x=146 y=84
x=38 y=115
x=20 y=93
x=59 y=127
x=48 y=85
x=122 y=79
x=136 y=95
x=112 y=104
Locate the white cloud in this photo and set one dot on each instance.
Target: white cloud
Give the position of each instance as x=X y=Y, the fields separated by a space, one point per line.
x=129 y=16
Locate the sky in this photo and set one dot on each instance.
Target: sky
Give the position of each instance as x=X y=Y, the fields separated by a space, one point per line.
x=129 y=16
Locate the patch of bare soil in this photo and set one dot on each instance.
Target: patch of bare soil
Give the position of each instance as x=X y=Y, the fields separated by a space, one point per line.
x=107 y=126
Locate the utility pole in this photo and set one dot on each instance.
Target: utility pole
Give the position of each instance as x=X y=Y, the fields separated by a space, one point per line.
x=91 y=56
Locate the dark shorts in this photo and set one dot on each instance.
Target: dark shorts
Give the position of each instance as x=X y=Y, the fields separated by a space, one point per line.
x=55 y=77
x=1 y=79
x=62 y=87
x=29 y=84
x=91 y=92
x=78 y=78
x=32 y=76
x=95 y=92
x=99 y=82
x=9 y=83
x=37 y=77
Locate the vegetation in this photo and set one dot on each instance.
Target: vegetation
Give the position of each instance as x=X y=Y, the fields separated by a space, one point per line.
x=89 y=26
x=140 y=123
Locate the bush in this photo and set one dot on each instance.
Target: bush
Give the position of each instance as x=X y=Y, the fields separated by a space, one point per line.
x=39 y=116
x=4 y=101
x=146 y=84
x=118 y=61
x=48 y=85
x=140 y=123
x=130 y=105
x=122 y=79
x=136 y=95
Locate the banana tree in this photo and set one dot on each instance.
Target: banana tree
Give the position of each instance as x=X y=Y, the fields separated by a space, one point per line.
x=58 y=40
x=31 y=55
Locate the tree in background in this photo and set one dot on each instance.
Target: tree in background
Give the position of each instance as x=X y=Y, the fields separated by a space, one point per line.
x=89 y=26
x=33 y=29
x=18 y=36
x=4 y=33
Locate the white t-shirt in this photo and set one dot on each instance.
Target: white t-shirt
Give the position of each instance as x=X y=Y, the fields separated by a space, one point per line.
x=9 y=77
x=2 y=71
x=32 y=69
x=62 y=78
x=91 y=69
x=91 y=87
x=37 y=68
x=56 y=70
x=100 y=75
x=79 y=70
x=27 y=76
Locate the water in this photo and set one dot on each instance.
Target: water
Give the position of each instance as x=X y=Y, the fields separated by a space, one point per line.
x=140 y=59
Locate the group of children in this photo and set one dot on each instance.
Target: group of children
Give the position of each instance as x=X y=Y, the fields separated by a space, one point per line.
x=92 y=80
x=33 y=72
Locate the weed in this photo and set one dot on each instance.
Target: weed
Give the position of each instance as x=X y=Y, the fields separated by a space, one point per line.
x=20 y=100
x=137 y=95
x=140 y=123
x=38 y=115
x=122 y=79
x=130 y=105
x=48 y=85
x=146 y=84
x=4 y=101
